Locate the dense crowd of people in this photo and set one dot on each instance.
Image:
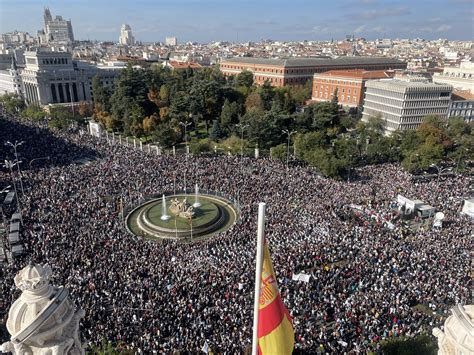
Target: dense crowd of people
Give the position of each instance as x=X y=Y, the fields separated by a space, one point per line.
x=368 y=282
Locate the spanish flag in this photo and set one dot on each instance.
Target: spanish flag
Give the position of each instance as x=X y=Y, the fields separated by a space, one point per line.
x=275 y=331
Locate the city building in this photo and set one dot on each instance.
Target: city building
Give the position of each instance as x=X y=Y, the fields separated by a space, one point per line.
x=10 y=80
x=462 y=105
x=57 y=30
x=350 y=85
x=174 y=65
x=461 y=78
x=171 y=41
x=403 y=102
x=17 y=37
x=54 y=77
x=296 y=71
x=126 y=38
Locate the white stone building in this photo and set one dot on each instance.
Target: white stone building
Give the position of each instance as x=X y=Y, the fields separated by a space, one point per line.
x=10 y=80
x=171 y=41
x=461 y=78
x=54 y=77
x=126 y=38
x=57 y=30
x=403 y=102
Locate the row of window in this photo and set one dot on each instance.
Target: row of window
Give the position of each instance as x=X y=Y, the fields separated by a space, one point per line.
x=340 y=97
x=427 y=95
x=343 y=90
x=434 y=103
x=463 y=113
x=337 y=81
x=462 y=104
x=49 y=61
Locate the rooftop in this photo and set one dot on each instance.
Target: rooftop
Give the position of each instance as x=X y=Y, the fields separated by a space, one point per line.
x=401 y=85
x=359 y=74
x=309 y=62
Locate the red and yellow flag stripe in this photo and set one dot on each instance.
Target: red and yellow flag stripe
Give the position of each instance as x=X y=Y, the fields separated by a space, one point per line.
x=275 y=331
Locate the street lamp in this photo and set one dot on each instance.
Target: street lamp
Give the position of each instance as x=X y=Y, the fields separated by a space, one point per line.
x=289 y=134
x=6 y=189
x=9 y=165
x=185 y=125
x=440 y=169
x=32 y=160
x=15 y=145
x=242 y=127
x=460 y=156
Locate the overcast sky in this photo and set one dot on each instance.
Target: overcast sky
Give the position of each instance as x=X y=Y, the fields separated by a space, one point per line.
x=244 y=20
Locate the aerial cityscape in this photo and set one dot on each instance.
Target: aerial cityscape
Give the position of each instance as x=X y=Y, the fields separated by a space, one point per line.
x=236 y=177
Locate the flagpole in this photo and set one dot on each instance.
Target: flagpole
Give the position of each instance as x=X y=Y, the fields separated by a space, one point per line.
x=258 y=274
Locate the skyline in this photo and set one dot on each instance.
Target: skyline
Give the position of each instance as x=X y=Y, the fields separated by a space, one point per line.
x=240 y=21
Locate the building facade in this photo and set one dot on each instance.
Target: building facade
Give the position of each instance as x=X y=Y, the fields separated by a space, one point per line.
x=126 y=37
x=296 y=71
x=56 y=30
x=462 y=105
x=349 y=84
x=10 y=80
x=461 y=78
x=53 y=77
x=403 y=102
x=171 y=41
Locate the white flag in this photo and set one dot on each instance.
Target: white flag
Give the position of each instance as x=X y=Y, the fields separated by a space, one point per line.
x=205 y=347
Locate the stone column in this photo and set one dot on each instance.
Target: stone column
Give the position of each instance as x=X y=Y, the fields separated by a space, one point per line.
x=64 y=92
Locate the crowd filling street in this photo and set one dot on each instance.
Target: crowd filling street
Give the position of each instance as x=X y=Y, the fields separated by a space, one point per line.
x=367 y=282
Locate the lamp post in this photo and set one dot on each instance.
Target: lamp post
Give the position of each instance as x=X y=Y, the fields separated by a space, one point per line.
x=15 y=145
x=32 y=160
x=10 y=165
x=289 y=134
x=460 y=156
x=241 y=127
x=440 y=169
x=6 y=189
x=185 y=125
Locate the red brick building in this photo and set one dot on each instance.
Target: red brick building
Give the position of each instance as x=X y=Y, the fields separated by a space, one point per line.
x=296 y=71
x=350 y=85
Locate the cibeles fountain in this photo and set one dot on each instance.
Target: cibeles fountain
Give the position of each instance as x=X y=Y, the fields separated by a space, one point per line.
x=43 y=320
x=182 y=216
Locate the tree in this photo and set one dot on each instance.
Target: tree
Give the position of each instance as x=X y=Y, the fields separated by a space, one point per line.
x=262 y=128
x=85 y=109
x=423 y=157
x=266 y=93
x=306 y=143
x=325 y=115
x=254 y=101
x=101 y=93
x=279 y=152
x=13 y=103
x=150 y=123
x=216 y=132
x=229 y=116
x=334 y=99
x=165 y=135
x=420 y=345
x=245 y=78
x=325 y=162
